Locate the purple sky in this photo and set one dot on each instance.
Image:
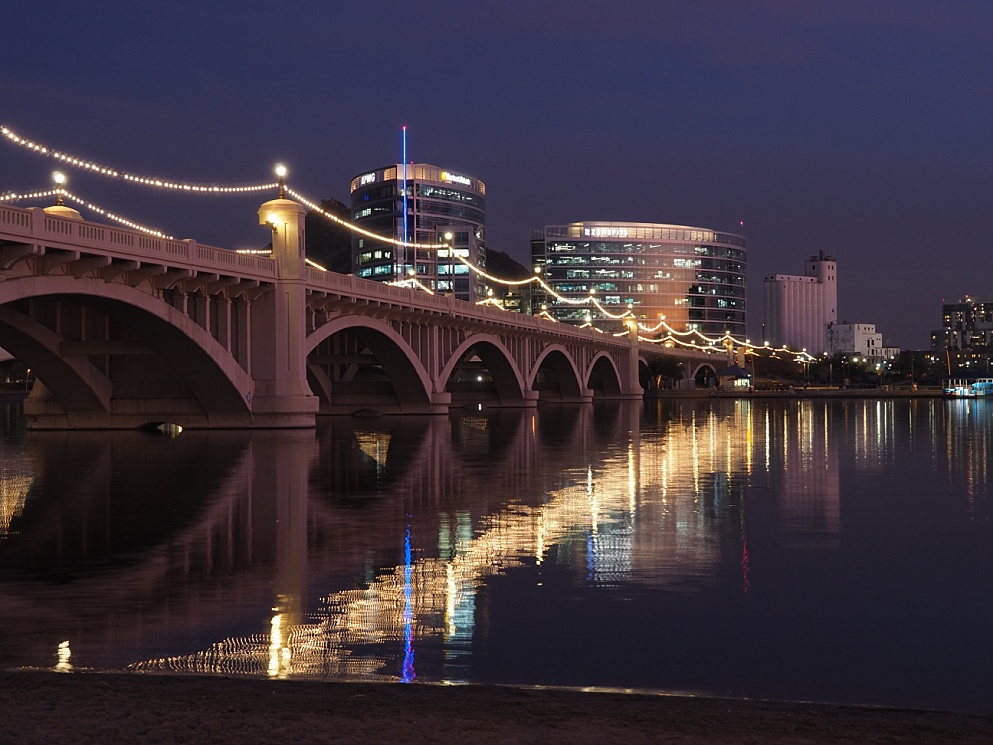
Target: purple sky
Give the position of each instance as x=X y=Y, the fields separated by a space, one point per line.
x=860 y=128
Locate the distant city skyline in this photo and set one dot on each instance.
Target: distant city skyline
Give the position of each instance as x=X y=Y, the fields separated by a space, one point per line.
x=860 y=129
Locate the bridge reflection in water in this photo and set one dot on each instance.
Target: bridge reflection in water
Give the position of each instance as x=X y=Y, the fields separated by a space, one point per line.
x=360 y=551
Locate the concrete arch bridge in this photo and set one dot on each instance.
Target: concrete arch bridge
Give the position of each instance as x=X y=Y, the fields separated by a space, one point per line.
x=123 y=330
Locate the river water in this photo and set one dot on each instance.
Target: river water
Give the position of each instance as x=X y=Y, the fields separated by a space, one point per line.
x=820 y=550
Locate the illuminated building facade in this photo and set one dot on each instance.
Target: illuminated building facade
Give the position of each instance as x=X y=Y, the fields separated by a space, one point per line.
x=798 y=309
x=435 y=204
x=694 y=277
x=965 y=324
x=858 y=338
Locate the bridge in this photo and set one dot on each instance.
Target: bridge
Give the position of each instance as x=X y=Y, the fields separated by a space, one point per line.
x=123 y=329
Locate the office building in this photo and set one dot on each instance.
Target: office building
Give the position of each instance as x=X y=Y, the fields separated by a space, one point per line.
x=694 y=277
x=435 y=204
x=965 y=324
x=799 y=308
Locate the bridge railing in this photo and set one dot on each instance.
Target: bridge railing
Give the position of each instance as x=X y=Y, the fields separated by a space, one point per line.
x=35 y=225
x=349 y=285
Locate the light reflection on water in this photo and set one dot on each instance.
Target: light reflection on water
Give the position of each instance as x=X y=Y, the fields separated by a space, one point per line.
x=832 y=550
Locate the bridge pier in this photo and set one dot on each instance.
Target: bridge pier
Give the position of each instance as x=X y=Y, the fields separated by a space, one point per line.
x=630 y=383
x=281 y=396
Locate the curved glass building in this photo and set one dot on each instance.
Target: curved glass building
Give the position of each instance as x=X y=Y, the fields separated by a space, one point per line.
x=435 y=204
x=694 y=277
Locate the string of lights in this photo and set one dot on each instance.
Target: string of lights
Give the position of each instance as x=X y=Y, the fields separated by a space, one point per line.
x=116 y=218
x=720 y=344
x=672 y=336
x=86 y=165
x=61 y=192
x=710 y=345
x=724 y=340
x=314 y=207
x=12 y=196
x=311 y=205
x=544 y=285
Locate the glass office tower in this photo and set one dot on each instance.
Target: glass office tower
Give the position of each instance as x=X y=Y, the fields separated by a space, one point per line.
x=694 y=277
x=437 y=204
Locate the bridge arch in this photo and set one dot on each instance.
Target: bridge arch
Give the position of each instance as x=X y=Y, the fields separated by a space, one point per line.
x=556 y=376
x=507 y=387
x=373 y=363
x=645 y=378
x=603 y=377
x=100 y=349
x=704 y=375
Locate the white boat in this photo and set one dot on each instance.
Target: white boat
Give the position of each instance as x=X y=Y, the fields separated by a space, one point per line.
x=968 y=387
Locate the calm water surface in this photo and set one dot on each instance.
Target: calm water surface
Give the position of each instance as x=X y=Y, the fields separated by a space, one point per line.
x=813 y=550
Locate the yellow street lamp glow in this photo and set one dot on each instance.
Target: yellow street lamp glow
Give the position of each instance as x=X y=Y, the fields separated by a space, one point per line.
x=281 y=170
x=60 y=180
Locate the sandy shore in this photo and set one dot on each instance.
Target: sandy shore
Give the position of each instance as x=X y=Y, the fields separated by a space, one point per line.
x=44 y=707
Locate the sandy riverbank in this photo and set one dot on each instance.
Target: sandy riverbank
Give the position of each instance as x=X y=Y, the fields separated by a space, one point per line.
x=44 y=707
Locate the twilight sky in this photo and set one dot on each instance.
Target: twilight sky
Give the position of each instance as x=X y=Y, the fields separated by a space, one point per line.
x=860 y=127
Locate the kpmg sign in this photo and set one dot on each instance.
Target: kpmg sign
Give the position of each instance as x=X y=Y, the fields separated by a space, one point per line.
x=605 y=232
x=453 y=178
x=367 y=179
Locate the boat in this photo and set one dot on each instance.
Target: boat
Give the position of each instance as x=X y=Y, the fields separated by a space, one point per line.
x=968 y=386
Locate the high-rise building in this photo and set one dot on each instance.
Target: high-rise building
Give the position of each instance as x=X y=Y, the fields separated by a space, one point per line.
x=798 y=309
x=965 y=324
x=694 y=277
x=420 y=204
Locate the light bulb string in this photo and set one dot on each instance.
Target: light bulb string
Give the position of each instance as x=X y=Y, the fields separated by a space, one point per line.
x=110 y=172
x=591 y=299
x=114 y=173
x=61 y=191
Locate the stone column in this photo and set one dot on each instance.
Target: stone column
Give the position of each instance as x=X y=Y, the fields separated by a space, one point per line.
x=630 y=383
x=282 y=397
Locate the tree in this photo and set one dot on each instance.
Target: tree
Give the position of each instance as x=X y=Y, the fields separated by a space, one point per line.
x=500 y=264
x=328 y=243
x=662 y=369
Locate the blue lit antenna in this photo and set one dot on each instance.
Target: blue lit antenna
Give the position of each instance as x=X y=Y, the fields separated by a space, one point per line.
x=405 y=239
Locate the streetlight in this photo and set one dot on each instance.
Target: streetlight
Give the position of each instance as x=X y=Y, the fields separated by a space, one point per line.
x=447 y=241
x=59 y=178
